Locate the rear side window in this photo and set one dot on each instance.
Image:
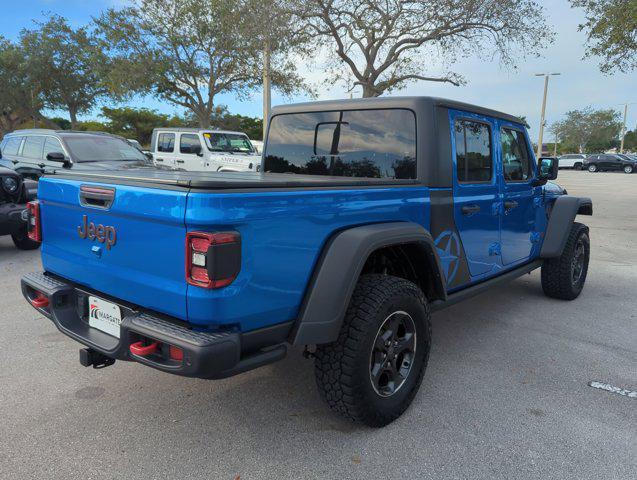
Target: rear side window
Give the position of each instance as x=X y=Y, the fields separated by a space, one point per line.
x=378 y=143
x=52 y=145
x=11 y=146
x=33 y=147
x=516 y=161
x=166 y=142
x=189 y=143
x=474 y=160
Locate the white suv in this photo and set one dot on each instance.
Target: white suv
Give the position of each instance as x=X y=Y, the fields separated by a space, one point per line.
x=195 y=149
x=572 y=160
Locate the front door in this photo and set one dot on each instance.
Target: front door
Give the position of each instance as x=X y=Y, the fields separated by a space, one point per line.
x=476 y=191
x=190 y=153
x=518 y=194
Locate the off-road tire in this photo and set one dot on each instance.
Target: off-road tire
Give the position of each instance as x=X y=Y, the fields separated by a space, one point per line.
x=558 y=278
x=22 y=241
x=592 y=168
x=343 y=368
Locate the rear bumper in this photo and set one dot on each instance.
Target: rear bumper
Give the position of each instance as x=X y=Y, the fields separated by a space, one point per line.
x=11 y=218
x=205 y=354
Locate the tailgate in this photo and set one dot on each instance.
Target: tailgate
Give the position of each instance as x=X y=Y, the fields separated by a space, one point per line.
x=141 y=256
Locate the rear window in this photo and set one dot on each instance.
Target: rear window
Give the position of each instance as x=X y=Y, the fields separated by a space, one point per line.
x=377 y=143
x=101 y=149
x=11 y=146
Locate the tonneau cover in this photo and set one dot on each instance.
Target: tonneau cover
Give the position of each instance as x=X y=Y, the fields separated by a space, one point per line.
x=222 y=180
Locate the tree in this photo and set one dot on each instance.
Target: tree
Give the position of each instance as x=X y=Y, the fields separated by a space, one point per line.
x=222 y=119
x=611 y=30
x=183 y=51
x=67 y=64
x=135 y=123
x=630 y=141
x=20 y=97
x=385 y=44
x=588 y=130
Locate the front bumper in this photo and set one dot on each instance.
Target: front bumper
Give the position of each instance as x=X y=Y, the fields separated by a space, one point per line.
x=12 y=218
x=205 y=354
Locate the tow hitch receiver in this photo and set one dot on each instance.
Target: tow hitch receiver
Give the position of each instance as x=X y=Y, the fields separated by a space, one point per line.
x=89 y=357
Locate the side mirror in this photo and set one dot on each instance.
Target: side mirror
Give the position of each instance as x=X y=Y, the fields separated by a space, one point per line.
x=547 y=169
x=196 y=149
x=58 y=157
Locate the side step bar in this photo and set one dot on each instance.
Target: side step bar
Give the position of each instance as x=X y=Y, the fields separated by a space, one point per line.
x=483 y=286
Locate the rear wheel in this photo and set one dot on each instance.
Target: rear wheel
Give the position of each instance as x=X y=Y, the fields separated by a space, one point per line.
x=628 y=169
x=563 y=277
x=22 y=241
x=592 y=168
x=372 y=372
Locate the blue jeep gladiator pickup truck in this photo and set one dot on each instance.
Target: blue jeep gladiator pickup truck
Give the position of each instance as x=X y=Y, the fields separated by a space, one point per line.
x=369 y=215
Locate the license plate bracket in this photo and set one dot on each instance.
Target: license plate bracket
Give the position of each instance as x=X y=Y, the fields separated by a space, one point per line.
x=104 y=316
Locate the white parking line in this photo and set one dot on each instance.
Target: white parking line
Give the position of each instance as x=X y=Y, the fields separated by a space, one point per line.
x=612 y=389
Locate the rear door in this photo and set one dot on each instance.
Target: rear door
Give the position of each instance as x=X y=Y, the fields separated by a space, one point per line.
x=165 y=149
x=140 y=257
x=518 y=194
x=476 y=191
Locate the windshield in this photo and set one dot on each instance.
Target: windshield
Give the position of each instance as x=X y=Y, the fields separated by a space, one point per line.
x=101 y=149
x=228 y=142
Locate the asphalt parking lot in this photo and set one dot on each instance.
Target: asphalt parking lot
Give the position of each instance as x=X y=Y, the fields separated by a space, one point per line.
x=506 y=393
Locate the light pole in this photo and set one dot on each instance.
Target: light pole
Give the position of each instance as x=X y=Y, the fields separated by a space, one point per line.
x=542 y=118
x=621 y=148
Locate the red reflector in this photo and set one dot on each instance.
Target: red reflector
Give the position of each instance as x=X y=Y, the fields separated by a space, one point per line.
x=141 y=350
x=40 y=301
x=34 y=229
x=176 y=353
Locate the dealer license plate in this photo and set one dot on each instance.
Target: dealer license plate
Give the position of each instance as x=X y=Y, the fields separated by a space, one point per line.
x=104 y=316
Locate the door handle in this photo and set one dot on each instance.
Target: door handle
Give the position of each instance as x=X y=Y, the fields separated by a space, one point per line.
x=470 y=209
x=510 y=205
x=159 y=159
x=179 y=161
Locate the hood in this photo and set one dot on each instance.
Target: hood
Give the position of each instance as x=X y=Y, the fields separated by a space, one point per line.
x=112 y=165
x=554 y=189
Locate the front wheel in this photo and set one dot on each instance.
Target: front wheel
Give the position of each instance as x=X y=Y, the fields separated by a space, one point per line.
x=563 y=277
x=577 y=166
x=628 y=169
x=592 y=168
x=372 y=372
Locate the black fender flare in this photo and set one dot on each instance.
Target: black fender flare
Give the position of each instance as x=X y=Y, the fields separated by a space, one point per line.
x=338 y=269
x=561 y=218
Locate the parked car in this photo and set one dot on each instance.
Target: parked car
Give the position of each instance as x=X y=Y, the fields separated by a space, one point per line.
x=372 y=213
x=14 y=194
x=608 y=161
x=34 y=152
x=572 y=160
x=196 y=149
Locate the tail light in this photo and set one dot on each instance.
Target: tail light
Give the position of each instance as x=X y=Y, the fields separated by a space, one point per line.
x=34 y=227
x=213 y=260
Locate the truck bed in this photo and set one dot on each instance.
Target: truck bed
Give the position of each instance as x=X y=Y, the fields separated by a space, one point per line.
x=221 y=180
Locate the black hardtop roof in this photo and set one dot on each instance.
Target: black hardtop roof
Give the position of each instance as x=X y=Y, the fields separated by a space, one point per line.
x=414 y=103
x=65 y=133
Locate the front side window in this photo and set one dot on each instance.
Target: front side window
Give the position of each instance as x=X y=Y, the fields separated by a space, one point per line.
x=166 y=142
x=228 y=142
x=516 y=161
x=52 y=145
x=87 y=148
x=11 y=146
x=33 y=147
x=377 y=143
x=474 y=161
x=189 y=143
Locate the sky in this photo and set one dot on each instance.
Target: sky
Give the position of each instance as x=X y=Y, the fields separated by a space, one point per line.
x=517 y=91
